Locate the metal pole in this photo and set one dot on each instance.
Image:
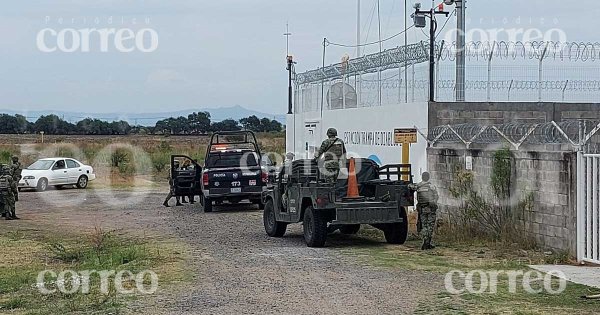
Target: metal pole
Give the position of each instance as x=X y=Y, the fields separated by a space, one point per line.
x=541 y=73
x=432 y=28
x=563 y=91
x=399 y=84
x=380 y=49
x=358 y=77
x=437 y=71
x=580 y=212
x=461 y=6
x=510 y=88
x=413 y=82
x=290 y=63
x=323 y=81
x=405 y=52
x=489 y=77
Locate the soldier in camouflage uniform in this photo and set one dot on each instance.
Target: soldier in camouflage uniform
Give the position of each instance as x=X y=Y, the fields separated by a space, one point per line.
x=172 y=189
x=8 y=188
x=427 y=198
x=333 y=151
x=16 y=170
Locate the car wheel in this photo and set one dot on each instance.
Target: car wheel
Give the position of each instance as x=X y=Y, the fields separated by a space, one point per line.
x=350 y=229
x=207 y=204
x=315 y=228
x=273 y=227
x=42 y=184
x=397 y=233
x=82 y=182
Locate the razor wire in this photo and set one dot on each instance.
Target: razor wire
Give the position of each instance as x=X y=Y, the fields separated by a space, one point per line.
x=573 y=132
x=536 y=50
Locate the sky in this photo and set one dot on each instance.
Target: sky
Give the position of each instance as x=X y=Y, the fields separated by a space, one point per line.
x=214 y=53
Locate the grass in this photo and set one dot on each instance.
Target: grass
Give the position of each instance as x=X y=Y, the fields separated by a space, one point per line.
x=476 y=256
x=27 y=252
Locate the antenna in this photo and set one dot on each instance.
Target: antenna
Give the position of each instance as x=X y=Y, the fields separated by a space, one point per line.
x=287 y=35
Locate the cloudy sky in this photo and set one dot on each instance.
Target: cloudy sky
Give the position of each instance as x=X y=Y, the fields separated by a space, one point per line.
x=214 y=53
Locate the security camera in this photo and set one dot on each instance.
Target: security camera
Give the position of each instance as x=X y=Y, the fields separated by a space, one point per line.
x=417 y=6
x=448 y=2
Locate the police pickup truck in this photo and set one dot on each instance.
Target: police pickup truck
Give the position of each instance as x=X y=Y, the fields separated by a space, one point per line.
x=232 y=171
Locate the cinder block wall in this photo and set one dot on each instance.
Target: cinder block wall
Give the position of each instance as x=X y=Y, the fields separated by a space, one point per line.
x=548 y=172
x=548 y=176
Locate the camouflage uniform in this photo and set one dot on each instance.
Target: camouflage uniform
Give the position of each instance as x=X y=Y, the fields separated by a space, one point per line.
x=427 y=198
x=16 y=170
x=333 y=151
x=8 y=188
x=172 y=190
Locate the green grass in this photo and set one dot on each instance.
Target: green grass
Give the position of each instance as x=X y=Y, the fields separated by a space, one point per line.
x=476 y=256
x=25 y=254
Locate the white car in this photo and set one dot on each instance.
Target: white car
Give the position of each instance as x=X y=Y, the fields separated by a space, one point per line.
x=56 y=172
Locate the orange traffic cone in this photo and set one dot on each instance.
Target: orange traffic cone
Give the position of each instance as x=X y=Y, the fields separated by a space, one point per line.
x=352 y=182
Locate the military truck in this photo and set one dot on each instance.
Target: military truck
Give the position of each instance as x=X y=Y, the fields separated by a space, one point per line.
x=299 y=194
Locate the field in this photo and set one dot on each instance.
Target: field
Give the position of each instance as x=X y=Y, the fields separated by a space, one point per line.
x=118 y=159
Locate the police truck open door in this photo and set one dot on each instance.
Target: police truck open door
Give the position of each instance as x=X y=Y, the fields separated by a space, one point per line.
x=186 y=179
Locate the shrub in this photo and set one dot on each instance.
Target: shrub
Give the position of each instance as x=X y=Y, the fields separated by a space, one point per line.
x=119 y=157
x=160 y=161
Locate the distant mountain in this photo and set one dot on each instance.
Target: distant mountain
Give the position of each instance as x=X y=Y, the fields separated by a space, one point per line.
x=149 y=119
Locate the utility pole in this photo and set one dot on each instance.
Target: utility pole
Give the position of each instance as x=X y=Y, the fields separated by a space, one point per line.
x=405 y=52
x=419 y=17
x=460 y=49
x=357 y=78
x=290 y=66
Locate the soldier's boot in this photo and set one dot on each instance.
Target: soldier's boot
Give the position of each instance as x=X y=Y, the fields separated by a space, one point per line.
x=3 y=215
x=8 y=218
x=426 y=244
x=166 y=203
x=183 y=200
x=178 y=202
x=192 y=201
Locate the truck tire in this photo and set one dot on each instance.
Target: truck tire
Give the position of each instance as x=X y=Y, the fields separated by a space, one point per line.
x=397 y=233
x=315 y=228
x=207 y=204
x=273 y=227
x=350 y=229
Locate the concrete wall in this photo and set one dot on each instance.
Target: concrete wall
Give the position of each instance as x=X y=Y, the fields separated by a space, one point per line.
x=548 y=176
x=501 y=113
x=546 y=171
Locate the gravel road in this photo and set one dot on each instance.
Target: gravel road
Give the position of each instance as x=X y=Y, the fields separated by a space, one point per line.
x=238 y=269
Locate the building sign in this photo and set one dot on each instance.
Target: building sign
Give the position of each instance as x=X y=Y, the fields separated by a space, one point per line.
x=369 y=138
x=405 y=135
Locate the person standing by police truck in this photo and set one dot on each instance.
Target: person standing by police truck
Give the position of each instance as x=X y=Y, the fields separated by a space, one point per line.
x=427 y=197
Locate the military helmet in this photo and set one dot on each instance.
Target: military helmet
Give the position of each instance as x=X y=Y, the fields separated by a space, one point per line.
x=331 y=132
x=425 y=176
x=15 y=158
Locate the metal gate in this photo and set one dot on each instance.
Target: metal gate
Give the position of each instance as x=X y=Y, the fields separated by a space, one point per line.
x=588 y=213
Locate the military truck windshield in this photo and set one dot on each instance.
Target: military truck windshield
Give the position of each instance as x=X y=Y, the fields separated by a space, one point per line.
x=231 y=159
x=41 y=165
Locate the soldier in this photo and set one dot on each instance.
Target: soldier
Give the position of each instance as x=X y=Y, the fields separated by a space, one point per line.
x=8 y=189
x=16 y=170
x=333 y=151
x=172 y=189
x=427 y=198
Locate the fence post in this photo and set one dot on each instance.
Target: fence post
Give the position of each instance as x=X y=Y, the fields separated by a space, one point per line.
x=541 y=72
x=489 y=77
x=413 y=82
x=510 y=88
x=563 y=91
x=400 y=84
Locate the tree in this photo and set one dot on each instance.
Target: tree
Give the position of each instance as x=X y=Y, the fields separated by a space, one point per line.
x=199 y=122
x=251 y=123
x=226 y=125
x=13 y=124
x=52 y=124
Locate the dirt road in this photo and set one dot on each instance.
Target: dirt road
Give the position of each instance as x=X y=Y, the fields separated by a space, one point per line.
x=236 y=268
